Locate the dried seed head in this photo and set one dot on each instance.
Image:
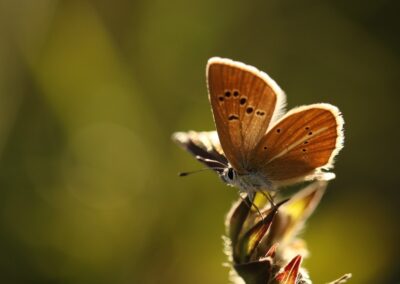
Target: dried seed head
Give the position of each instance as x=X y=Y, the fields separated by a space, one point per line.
x=252 y=243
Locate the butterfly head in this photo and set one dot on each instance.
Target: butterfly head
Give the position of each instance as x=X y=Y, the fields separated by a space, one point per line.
x=247 y=182
x=229 y=176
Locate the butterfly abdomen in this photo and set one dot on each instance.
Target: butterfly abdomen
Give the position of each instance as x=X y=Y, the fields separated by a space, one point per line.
x=253 y=181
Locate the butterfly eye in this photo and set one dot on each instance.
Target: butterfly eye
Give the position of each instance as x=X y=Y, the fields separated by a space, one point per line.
x=230 y=173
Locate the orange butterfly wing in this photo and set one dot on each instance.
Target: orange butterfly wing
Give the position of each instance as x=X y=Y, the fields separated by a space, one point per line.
x=244 y=102
x=305 y=140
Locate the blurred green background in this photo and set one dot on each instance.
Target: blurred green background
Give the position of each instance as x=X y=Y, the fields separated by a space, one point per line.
x=90 y=92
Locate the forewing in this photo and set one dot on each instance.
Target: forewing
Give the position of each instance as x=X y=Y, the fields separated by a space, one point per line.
x=305 y=140
x=244 y=101
x=202 y=144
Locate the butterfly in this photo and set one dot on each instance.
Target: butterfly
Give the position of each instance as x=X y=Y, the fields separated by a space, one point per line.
x=257 y=147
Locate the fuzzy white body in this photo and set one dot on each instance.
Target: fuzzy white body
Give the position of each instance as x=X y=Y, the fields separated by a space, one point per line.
x=248 y=183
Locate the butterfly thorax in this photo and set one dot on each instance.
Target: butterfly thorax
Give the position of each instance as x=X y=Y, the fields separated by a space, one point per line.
x=248 y=182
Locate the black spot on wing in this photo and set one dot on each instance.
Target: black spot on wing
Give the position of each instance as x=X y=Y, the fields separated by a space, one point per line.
x=233 y=117
x=260 y=113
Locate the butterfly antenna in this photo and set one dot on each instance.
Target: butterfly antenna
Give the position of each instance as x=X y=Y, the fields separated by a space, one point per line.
x=183 y=174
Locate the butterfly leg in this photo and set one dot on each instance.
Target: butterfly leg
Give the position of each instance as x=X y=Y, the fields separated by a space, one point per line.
x=250 y=198
x=270 y=198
